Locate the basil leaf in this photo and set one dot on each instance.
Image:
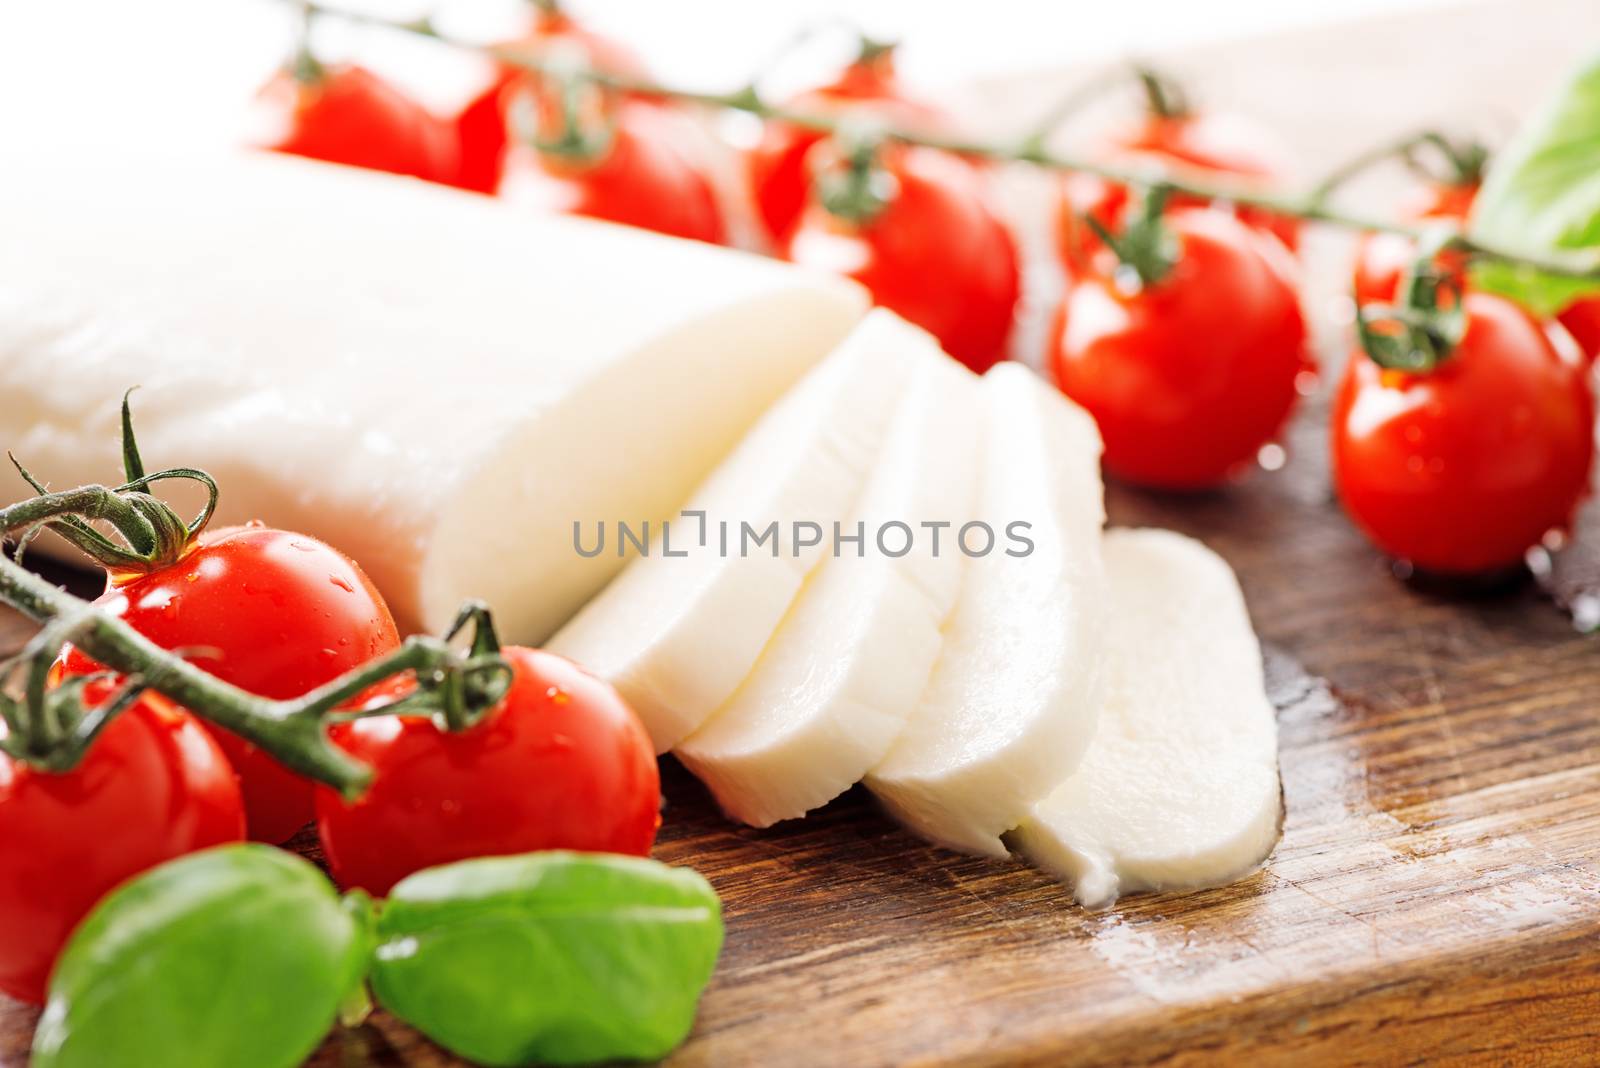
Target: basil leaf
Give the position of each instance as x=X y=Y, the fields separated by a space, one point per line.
x=556 y=958
x=1542 y=196
x=236 y=956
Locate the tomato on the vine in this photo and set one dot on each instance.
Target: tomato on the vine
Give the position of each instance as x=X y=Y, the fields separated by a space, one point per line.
x=1381 y=260
x=1213 y=143
x=274 y=613
x=561 y=762
x=1188 y=376
x=152 y=786
x=1459 y=469
x=936 y=253
x=1171 y=134
x=639 y=177
x=481 y=126
x=776 y=167
x=346 y=114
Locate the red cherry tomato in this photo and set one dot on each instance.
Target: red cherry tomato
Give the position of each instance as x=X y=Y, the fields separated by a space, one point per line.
x=274 y=613
x=643 y=179
x=349 y=115
x=480 y=127
x=936 y=254
x=152 y=787
x=1382 y=258
x=776 y=167
x=1461 y=469
x=1195 y=142
x=1190 y=376
x=1582 y=320
x=560 y=763
x=1213 y=143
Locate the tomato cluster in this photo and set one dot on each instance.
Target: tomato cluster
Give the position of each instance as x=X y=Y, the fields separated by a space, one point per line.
x=559 y=763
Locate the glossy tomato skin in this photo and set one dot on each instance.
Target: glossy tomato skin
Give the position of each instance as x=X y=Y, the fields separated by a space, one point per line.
x=643 y=180
x=1189 y=377
x=480 y=127
x=349 y=115
x=1216 y=143
x=777 y=169
x=561 y=763
x=937 y=255
x=152 y=787
x=274 y=613
x=1460 y=470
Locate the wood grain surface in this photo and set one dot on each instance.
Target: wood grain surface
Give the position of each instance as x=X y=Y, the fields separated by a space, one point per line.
x=1436 y=894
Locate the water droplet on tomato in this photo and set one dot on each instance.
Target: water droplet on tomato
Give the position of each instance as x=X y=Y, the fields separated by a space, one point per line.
x=557 y=695
x=255 y=524
x=341 y=583
x=302 y=546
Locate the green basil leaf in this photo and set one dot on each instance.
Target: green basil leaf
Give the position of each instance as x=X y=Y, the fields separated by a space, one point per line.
x=1542 y=196
x=554 y=958
x=237 y=956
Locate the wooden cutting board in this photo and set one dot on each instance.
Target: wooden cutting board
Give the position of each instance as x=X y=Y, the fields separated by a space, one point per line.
x=1436 y=893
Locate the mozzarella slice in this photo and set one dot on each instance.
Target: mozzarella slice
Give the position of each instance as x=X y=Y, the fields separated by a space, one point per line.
x=1014 y=696
x=1180 y=786
x=676 y=635
x=438 y=386
x=850 y=660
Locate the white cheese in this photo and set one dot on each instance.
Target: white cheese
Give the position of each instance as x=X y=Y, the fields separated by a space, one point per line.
x=677 y=635
x=1015 y=693
x=1180 y=786
x=437 y=386
x=850 y=660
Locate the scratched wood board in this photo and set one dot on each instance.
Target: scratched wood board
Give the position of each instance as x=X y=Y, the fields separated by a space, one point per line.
x=1436 y=893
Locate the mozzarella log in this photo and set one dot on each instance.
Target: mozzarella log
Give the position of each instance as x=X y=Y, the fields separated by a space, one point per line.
x=677 y=634
x=1015 y=693
x=437 y=386
x=848 y=663
x=1180 y=786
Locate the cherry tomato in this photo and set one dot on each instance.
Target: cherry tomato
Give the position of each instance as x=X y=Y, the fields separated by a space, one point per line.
x=1382 y=258
x=937 y=254
x=1190 y=376
x=643 y=179
x=347 y=114
x=776 y=167
x=274 y=613
x=1582 y=320
x=1461 y=469
x=1213 y=143
x=480 y=127
x=152 y=787
x=561 y=763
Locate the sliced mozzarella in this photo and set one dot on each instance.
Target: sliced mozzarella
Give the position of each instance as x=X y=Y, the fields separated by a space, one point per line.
x=1180 y=786
x=1014 y=696
x=850 y=660
x=676 y=635
x=438 y=386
